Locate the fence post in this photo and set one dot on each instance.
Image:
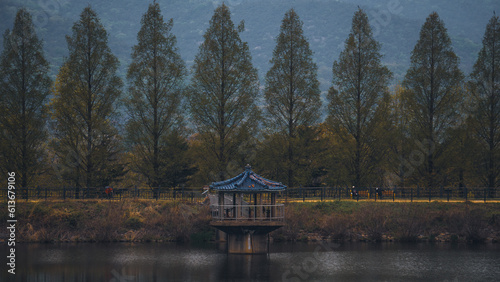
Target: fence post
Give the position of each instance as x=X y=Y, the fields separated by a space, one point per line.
x=430 y=194
x=484 y=195
x=411 y=194
x=303 y=194
x=64 y=193
x=466 y=194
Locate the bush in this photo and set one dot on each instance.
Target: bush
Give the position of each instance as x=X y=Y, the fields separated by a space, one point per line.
x=372 y=221
x=294 y=222
x=407 y=222
x=337 y=226
x=105 y=226
x=133 y=223
x=469 y=223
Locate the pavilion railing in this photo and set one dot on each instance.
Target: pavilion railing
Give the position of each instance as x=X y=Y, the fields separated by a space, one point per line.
x=248 y=212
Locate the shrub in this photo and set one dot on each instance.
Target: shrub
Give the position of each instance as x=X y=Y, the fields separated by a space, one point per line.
x=408 y=221
x=337 y=226
x=372 y=220
x=133 y=223
x=469 y=223
x=293 y=225
x=105 y=226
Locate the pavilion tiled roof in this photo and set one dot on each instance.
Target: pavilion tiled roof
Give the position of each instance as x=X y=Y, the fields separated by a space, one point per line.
x=248 y=181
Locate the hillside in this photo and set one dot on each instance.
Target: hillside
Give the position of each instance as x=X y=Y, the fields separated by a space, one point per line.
x=396 y=24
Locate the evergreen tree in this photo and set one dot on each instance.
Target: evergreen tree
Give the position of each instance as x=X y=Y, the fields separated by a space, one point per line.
x=463 y=153
x=24 y=87
x=433 y=94
x=400 y=168
x=359 y=84
x=222 y=95
x=155 y=77
x=83 y=107
x=292 y=89
x=309 y=156
x=485 y=88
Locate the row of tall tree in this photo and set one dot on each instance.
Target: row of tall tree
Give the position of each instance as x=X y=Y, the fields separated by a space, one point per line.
x=435 y=128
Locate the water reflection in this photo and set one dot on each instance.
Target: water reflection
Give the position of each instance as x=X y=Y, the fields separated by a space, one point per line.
x=293 y=262
x=244 y=267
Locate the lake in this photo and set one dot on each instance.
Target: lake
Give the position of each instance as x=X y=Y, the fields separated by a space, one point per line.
x=122 y=262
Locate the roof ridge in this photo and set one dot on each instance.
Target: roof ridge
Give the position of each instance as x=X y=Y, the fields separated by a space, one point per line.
x=246 y=178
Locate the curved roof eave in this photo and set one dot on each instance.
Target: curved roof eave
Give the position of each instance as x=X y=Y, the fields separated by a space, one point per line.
x=254 y=182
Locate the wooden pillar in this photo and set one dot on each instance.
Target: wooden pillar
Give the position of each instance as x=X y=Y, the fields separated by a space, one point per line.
x=242 y=210
x=273 y=205
x=221 y=205
x=234 y=205
x=255 y=205
x=241 y=205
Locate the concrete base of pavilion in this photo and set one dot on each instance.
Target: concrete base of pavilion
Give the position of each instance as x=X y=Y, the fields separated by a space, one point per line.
x=246 y=237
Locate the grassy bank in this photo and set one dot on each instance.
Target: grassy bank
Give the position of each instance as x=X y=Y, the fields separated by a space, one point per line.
x=386 y=221
x=149 y=220
x=108 y=221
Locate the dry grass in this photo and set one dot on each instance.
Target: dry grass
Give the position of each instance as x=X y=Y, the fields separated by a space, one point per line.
x=372 y=221
x=108 y=221
x=149 y=220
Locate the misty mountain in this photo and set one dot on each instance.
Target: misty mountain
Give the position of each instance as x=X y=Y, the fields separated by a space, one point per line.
x=396 y=25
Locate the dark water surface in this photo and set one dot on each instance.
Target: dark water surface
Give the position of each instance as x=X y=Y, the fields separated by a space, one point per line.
x=123 y=262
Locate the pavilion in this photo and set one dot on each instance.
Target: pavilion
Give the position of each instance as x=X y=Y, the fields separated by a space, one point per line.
x=246 y=210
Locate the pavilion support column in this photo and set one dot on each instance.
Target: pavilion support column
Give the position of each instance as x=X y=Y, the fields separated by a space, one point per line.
x=221 y=205
x=234 y=205
x=273 y=205
x=255 y=205
x=247 y=243
x=220 y=236
x=241 y=205
x=261 y=203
